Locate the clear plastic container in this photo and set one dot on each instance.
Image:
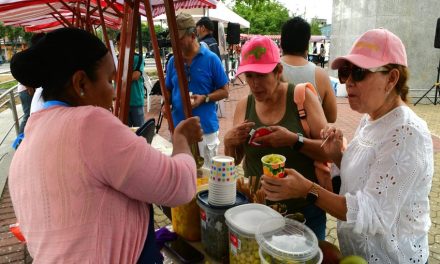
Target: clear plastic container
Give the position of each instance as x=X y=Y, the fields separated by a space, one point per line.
x=213 y=227
x=267 y=259
x=243 y=222
x=185 y=218
x=287 y=241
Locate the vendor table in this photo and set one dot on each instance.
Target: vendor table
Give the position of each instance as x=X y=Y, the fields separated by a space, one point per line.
x=162 y=145
x=171 y=258
x=166 y=147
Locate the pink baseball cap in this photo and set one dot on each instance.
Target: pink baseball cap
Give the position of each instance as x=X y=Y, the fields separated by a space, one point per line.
x=259 y=54
x=375 y=48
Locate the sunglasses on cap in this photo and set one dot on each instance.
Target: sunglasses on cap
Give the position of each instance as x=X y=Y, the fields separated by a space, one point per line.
x=357 y=73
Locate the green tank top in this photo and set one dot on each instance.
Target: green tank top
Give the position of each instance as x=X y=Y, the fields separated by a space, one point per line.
x=294 y=159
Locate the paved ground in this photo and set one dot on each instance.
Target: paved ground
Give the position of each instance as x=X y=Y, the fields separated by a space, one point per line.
x=13 y=252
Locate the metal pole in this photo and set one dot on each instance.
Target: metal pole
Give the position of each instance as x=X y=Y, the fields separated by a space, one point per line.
x=437 y=84
x=14 y=110
x=160 y=74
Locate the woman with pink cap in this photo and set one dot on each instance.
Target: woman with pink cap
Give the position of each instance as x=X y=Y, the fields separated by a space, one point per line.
x=386 y=170
x=271 y=105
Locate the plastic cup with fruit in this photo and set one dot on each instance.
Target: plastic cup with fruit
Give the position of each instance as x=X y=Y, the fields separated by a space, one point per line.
x=273 y=165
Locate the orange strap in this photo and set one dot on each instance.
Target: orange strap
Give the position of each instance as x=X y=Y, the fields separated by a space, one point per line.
x=299 y=96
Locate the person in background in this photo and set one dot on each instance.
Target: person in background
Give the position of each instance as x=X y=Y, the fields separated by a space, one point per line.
x=387 y=169
x=322 y=55
x=26 y=93
x=271 y=105
x=82 y=183
x=136 y=115
x=204 y=28
x=295 y=37
x=207 y=81
x=37 y=100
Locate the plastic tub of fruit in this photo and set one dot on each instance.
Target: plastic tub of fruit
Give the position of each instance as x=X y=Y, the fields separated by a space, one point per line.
x=185 y=218
x=287 y=241
x=243 y=222
x=214 y=231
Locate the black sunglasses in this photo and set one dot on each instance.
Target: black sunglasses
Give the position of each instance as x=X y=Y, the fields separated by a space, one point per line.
x=357 y=73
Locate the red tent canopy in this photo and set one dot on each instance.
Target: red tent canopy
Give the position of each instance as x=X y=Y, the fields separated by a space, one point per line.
x=46 y=15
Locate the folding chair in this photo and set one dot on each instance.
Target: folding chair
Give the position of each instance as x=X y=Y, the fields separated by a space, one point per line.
x=147 y=130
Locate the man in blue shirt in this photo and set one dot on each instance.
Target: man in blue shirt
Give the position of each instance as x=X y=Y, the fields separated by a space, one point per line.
x=207 y=81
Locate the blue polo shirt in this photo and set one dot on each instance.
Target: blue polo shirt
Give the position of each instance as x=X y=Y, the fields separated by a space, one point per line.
x=205 y=75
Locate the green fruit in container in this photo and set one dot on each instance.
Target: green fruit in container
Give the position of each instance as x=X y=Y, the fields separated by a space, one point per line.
x=353 y=260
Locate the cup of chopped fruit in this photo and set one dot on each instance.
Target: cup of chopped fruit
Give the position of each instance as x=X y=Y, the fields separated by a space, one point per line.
x=273 y=165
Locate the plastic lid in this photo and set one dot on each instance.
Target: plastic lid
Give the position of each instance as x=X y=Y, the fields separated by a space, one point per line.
x=246 y=218
x=202 y=198
x=287 y=239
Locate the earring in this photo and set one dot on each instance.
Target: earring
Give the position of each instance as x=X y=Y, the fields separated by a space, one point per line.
x=81 y=93
x=387 y=91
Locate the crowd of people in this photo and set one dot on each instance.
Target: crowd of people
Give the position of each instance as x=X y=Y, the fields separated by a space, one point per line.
x=82 y=183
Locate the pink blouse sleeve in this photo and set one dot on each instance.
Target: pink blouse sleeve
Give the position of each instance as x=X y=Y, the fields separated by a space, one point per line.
x=116 y=157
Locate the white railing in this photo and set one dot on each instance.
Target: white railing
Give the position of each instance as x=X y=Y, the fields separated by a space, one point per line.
x=8 y=98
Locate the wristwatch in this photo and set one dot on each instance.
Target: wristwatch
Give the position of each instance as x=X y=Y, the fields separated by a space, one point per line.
x=312 y=195
x=207 y=98
x=299 y=143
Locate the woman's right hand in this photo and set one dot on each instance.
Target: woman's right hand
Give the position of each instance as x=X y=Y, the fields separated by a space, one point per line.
x=238 y=134
x=334 y=142
x=189 y=128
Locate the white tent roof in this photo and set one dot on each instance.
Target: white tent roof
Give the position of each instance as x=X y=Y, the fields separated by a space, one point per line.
x=221 y=13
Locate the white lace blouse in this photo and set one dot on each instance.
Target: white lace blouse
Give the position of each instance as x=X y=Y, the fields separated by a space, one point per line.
x=386 y=175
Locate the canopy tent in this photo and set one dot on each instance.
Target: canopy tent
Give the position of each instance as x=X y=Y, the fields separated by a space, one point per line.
x=222 y=14
x=46 y=15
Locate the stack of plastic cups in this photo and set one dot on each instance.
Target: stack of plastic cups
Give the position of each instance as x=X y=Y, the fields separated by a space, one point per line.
x=222 y=181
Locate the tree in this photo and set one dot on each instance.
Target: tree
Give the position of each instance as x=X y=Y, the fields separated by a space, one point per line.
x=146 y=38
x=15 y=36
x=315 y=27
x=266 y=16
x=27 y=37
x=2 y=39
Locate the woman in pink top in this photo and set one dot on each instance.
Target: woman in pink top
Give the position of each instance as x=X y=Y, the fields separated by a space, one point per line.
x=81 y=182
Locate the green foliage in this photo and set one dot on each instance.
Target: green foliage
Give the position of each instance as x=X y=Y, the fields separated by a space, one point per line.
x=315 y=28
x=146 y=38
x=266 y=16
x=14 y=34
x=112 y=33
x=7 y=85
x=2 y=30
x=2 y=37
x=27 y=37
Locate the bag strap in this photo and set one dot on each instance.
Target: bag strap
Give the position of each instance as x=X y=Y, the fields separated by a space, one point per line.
x=299 y=96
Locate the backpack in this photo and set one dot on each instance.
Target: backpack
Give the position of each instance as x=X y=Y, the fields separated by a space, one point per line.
x=322 y=169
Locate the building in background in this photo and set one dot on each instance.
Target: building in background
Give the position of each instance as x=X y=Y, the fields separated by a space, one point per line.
x=414 y=22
